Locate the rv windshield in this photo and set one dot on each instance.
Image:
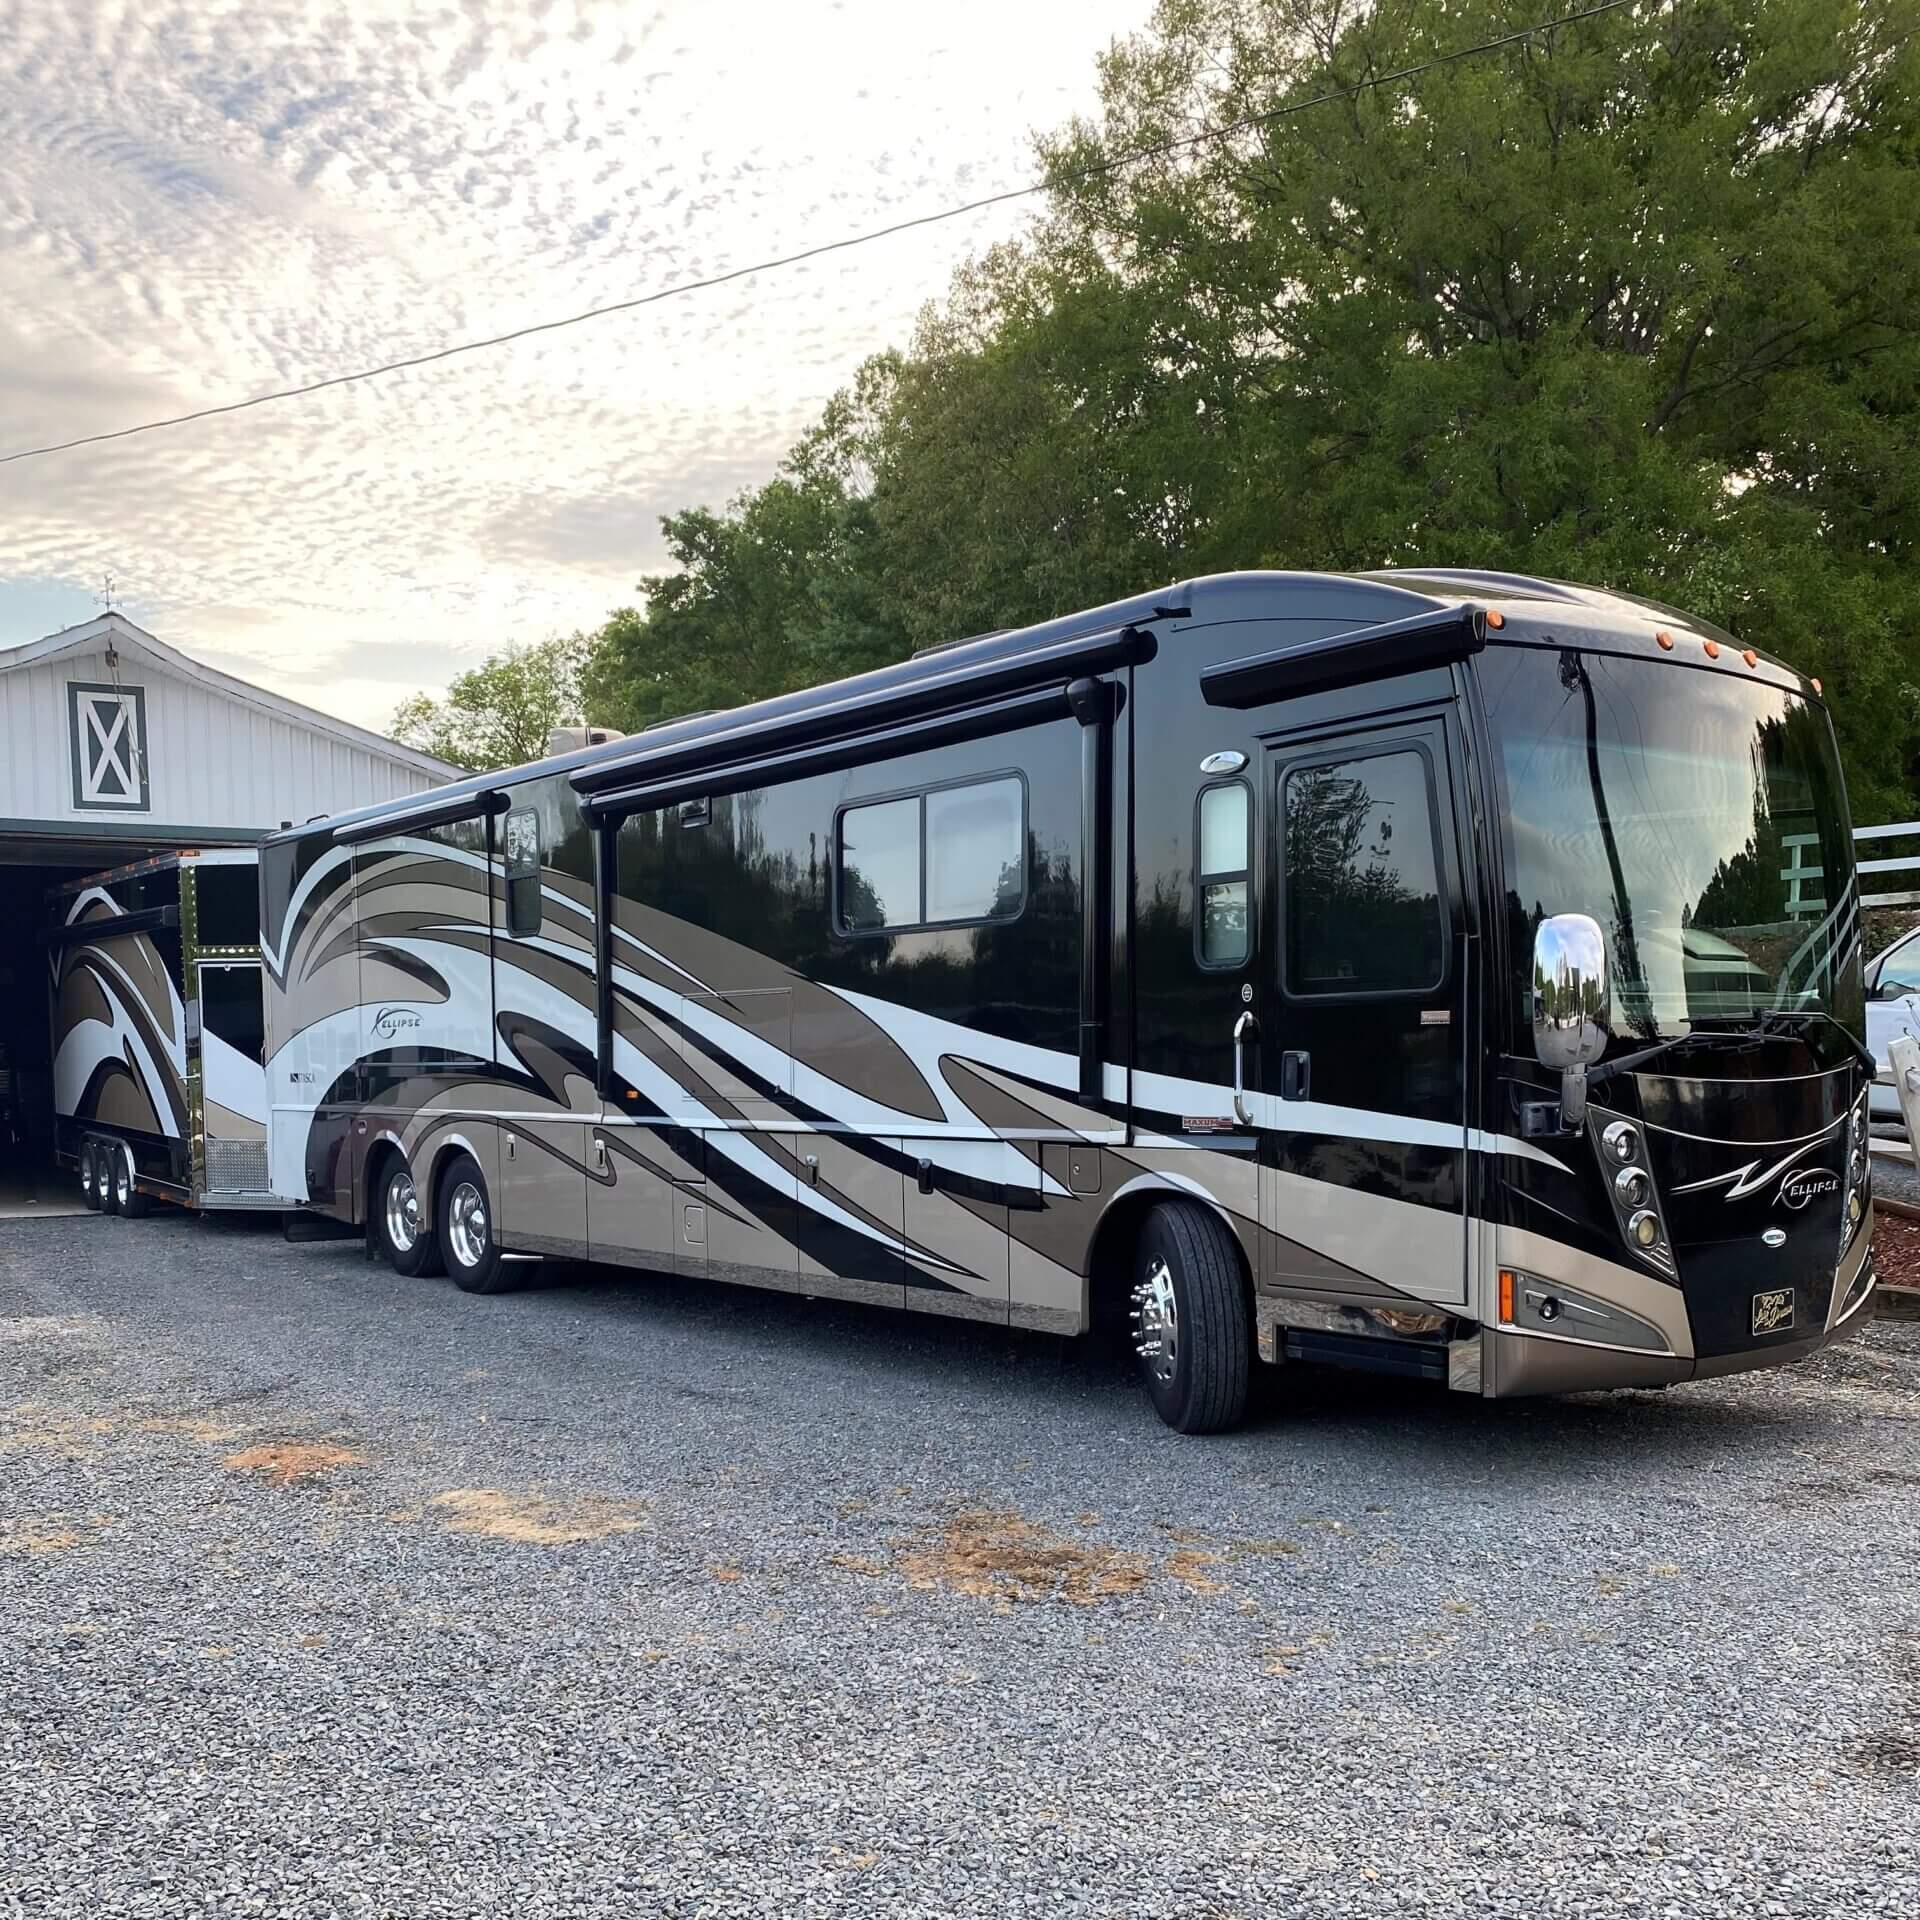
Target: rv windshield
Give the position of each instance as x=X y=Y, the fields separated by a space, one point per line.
x=1699 y=817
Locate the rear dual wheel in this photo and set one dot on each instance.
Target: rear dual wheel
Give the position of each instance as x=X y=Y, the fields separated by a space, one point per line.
x=92 y=1177
x=403 y=1222
x=128 y=1200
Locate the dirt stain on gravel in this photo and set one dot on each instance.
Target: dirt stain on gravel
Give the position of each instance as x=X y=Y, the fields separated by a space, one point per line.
x=537 y=1520
x=1004 y=1556
x=1191 y=1568
x=287 y=1463
x=34 y=1538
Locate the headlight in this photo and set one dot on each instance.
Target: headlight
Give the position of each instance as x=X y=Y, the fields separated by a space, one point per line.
x=1644 y=1230
x=1622 y=1141
x=1853 y=1208
x=1632 y=1187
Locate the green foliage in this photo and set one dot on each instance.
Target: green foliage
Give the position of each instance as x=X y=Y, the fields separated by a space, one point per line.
x=1633 y=303
x=500 y=714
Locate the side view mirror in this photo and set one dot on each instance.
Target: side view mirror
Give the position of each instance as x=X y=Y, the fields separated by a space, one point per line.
x=1571 y=1004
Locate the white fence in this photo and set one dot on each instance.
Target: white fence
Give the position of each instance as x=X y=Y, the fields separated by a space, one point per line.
x=1865 y=836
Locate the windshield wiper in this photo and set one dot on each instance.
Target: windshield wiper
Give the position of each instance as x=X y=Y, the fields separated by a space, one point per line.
x=1788 y=1017
x=1774 y=1021
x=1632 y=1062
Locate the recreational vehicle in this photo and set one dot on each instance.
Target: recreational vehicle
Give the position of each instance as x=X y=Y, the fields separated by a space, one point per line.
x=1400 y=971
x=159 y=1079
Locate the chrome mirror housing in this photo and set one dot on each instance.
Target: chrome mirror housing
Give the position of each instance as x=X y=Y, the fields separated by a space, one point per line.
x=1571 y=1007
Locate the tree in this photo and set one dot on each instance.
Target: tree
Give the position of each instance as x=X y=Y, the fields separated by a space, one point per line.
x=500 y=713
x=763 y=598
x=1634 y=302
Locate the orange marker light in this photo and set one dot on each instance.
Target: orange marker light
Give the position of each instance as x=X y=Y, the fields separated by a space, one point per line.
x=1816 y=686
x=1506 y=1296
x=1751 y=658
x=1495 y=618
x=1665 y=639
x=1713 y=649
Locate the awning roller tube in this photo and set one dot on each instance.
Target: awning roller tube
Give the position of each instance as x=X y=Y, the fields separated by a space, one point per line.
x=951 y=694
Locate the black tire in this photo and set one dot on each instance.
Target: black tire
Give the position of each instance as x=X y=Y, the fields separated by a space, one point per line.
x=104 y=1156
x=386 y=1222
x=128 y=1201
x=463 y=1223
x=89 y=1177
x=1188 y=1252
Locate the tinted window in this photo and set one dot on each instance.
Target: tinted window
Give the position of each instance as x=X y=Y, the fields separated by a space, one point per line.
x=949 y=855
x=1899 y=971
x=974 y=868
x=1361 y=888
x=1221 y=883
x=522 y=839
x=880 y=865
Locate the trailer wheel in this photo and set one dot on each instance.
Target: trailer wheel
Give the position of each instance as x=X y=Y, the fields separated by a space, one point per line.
x=1190 y=1318
x=465 y=1218
x=127 y=1198
x=402 y=1225
x=90 y=1181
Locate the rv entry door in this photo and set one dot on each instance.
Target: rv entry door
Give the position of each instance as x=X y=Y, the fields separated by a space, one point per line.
x=1362 y=1014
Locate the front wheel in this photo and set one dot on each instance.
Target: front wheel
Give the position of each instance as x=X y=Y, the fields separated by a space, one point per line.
x=1190 y=1319
x=467 y=1245
x=401 y=1225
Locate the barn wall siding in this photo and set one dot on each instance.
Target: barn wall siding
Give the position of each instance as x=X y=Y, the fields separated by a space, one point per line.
x=213 y=760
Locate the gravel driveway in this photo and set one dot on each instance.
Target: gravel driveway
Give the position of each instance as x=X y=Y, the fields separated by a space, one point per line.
x=322 y=1592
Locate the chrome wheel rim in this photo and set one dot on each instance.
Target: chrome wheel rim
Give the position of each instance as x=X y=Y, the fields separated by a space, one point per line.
x=122 y=1183
x=89 y=1179
x=467 y=1224
x=1156 y=1322
x=403 y=1213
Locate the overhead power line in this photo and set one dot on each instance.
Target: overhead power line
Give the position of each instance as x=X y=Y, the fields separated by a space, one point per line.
x=1158 y=150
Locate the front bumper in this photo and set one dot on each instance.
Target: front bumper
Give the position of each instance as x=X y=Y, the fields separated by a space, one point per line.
x=1514 y=1364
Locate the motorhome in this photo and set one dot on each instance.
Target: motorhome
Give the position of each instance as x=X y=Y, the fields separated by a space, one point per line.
x=1401 y=971
x=159 y=1080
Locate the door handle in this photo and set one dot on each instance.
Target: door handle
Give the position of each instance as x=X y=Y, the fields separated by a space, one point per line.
x=1296 y=1075
x=1243 y=1029
x=510 y=1146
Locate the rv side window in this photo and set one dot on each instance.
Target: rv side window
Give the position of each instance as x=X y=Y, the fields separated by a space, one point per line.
x=523 y=872
x=941 y=858
x=1361 y=889
x=1222 y=872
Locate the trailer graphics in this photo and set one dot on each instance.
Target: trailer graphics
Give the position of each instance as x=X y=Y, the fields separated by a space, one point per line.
x=1395 y=971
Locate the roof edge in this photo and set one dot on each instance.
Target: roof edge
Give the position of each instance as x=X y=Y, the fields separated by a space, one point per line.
x=171 y=659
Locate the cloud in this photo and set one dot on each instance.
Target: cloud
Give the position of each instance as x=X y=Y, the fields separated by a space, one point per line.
x=201 y=201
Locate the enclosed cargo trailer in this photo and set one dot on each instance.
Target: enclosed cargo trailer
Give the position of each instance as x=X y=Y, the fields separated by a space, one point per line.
x=158 y=1077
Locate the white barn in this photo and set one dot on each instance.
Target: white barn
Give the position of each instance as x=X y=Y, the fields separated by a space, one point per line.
x=115 y=746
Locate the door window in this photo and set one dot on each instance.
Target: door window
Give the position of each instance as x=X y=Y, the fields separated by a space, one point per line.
x=1223 y=868
x=1361 y=886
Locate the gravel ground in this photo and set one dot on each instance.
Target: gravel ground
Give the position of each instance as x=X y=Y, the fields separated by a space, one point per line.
x=621 y=1596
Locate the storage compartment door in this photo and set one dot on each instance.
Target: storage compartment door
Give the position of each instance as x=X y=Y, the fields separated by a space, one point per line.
x=232 y=1079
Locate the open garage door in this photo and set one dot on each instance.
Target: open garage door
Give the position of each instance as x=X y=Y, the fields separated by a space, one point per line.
x=29 y=1181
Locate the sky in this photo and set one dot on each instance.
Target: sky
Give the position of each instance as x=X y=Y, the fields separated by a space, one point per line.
x=201 y=200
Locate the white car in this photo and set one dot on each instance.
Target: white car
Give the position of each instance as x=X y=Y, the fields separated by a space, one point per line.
x=1893 y=1008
